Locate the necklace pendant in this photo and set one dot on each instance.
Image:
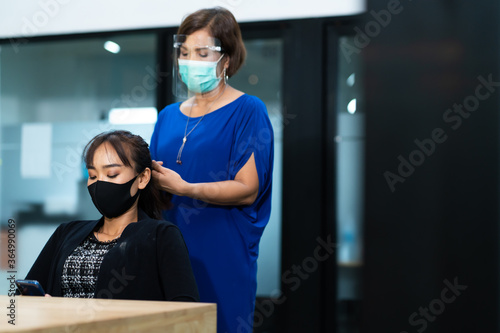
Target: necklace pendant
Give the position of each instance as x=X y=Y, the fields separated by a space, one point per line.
x=186 y=134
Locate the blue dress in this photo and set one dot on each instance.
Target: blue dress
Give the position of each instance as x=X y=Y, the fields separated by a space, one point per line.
x=223 y=241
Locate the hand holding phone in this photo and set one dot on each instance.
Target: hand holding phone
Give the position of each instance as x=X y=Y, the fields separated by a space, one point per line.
x=30 y=288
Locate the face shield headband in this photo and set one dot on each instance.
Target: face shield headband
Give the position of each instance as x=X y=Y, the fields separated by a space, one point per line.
x=196 y=61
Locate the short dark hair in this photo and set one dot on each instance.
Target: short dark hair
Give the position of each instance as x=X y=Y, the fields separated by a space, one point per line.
x=133 y=151
x=222 y=25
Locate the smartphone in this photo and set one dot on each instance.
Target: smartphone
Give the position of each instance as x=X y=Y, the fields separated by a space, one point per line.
x=30 y=288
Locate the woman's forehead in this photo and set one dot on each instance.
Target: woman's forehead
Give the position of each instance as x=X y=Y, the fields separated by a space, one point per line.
x=196 y=40
x=202 y=34
x=106 y=154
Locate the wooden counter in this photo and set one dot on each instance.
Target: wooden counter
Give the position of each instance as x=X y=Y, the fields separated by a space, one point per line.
x=71 y=315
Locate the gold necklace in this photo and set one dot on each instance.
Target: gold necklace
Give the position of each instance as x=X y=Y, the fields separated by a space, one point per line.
x=100 y=231
x=184 y=139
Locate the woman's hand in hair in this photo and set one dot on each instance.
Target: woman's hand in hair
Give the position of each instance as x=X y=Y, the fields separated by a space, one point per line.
x=240 y=191
x=169 y=180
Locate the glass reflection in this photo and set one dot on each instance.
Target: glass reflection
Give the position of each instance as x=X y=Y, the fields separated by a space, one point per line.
x=54 y=97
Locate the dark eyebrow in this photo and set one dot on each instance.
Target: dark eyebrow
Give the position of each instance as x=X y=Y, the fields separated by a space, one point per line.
x=106 y=166
x=113 y=165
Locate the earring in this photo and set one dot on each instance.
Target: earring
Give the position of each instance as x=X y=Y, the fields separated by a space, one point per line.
x=225 y=76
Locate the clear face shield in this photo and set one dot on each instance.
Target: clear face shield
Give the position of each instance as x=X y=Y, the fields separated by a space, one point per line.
x=197 y=65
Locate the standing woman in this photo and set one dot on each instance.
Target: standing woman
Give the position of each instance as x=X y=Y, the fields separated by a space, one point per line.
x=215 y=155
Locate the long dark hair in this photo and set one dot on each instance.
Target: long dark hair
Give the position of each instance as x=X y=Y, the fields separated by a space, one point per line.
x=133 y=151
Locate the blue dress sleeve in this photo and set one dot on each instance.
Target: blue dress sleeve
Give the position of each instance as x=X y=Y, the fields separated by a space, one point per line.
x=254 y=135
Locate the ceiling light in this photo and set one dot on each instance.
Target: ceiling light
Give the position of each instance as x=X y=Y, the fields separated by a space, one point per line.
x=351 y=80
x=133 y=116
x=111 y=47
x=351 y=107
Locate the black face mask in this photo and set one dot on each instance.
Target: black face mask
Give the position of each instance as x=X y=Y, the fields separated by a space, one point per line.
x=112 y=199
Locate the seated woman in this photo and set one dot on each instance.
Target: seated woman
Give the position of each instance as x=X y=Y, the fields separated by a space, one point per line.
x=129 y=253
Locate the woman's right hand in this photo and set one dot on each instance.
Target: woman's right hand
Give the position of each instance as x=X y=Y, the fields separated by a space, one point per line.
x=169 y=180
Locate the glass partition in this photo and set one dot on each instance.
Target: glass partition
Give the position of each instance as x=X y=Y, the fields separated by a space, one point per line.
x=349 y=180
x=54 y=97
x=261 y=76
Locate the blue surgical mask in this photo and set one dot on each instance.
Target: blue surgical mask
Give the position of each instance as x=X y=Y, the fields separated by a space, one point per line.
x=199 y=76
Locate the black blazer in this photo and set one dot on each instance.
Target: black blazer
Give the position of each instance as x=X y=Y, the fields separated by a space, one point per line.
x=149 y=262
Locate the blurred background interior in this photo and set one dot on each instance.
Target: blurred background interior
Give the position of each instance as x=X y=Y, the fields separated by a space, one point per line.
x=385 y=115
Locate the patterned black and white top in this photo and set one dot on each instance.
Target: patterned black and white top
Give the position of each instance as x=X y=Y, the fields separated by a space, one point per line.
x=81 y=268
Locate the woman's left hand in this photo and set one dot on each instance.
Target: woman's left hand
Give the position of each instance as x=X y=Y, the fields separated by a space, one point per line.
x=169 y=180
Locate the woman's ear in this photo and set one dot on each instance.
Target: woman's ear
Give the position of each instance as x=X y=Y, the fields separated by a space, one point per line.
x=144 y=178
x=225 y=67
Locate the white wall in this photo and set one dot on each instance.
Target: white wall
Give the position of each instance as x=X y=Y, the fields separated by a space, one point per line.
x=53 y=17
